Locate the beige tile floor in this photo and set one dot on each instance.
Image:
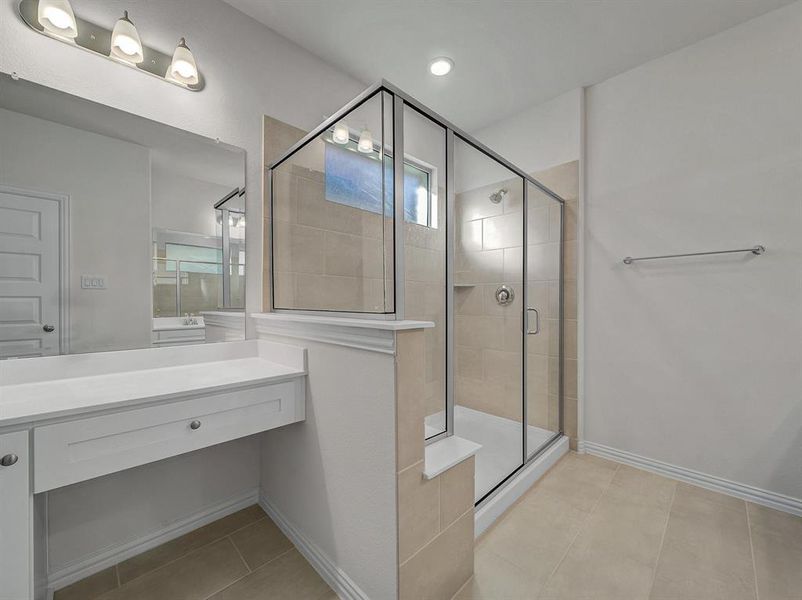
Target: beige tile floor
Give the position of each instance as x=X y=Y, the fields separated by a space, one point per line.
x=595 y=530
x=243 y=556
x=589 y=530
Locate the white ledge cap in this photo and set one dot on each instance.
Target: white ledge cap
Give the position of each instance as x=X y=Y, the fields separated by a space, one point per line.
x=444 y=454
x=345 y=321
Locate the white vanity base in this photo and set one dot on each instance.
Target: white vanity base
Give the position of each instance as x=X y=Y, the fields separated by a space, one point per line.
x=66 y=419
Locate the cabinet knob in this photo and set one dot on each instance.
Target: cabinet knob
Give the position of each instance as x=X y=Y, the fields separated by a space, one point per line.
x=195 y=424
x=8 y=460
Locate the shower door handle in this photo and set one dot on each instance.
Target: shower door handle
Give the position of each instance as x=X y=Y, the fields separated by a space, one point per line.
x=529 y=331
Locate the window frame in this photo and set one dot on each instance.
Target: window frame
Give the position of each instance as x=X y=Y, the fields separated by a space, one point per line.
x=416 y=163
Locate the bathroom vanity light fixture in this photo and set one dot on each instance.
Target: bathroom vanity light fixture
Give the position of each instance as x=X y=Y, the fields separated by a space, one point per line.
x=125 y=42
x=341 y=135
x=365 y=144
x=183 y=68
x=57 y=18
x=440 y=66
x=122 y=44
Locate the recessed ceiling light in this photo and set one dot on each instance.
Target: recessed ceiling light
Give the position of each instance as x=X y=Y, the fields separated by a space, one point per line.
x=441 y=65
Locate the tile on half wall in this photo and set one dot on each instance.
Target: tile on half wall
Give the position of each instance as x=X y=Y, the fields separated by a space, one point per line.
x=450 y=552
x=418 y=510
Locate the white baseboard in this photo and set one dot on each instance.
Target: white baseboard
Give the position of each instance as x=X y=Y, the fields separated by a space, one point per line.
x=494 y=507
x=115 y=554
x=710 y=482
x=337 y=579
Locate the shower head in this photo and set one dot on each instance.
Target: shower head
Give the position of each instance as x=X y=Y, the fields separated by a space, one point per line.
x=497 y=196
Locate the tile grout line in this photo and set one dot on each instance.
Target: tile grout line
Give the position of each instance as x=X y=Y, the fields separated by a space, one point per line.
x=419 y=550
x=238 y=579
x=242 y=558
x=663 y=538
x=751 y=549
x=580 y=530
x=462 y=587
x=186 y=553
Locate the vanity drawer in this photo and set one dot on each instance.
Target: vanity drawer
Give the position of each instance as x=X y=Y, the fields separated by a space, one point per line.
x=73 y=451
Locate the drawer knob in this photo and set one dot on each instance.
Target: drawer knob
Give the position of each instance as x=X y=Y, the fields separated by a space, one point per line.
x=8 y=460
x=195 y=424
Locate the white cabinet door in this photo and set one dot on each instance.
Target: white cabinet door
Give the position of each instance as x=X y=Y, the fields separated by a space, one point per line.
x=29 y=275
x=16 y=556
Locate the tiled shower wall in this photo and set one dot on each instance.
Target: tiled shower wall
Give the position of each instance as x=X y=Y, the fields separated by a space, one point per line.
x=336 y=263
x=328 y=256
x=425 y=300
x=488 y=253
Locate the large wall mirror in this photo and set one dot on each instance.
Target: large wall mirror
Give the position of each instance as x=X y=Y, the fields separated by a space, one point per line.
x=116 y=232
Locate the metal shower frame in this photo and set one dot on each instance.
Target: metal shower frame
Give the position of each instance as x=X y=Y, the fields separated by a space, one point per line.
x=399 y=100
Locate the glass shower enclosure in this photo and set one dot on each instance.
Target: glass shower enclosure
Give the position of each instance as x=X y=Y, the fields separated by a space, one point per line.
x=389 y=211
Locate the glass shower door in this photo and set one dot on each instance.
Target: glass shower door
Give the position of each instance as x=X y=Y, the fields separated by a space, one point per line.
x=488 y=313
x=544 y=216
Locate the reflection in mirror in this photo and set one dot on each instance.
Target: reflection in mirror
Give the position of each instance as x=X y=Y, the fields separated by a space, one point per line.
x=116 y=232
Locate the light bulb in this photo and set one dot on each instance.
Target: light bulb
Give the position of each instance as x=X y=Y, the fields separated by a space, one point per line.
x=441 y=66
x=56 y=17
x=125 y=43
x=365 y=142
x=341 y=134
x=183 y=68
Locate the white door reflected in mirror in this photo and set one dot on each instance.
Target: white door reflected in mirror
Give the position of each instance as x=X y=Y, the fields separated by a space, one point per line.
x=139 y=223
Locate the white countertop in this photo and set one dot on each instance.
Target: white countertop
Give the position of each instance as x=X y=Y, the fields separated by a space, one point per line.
x=40 y=400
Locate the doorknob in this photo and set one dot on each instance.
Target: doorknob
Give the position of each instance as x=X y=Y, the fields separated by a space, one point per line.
x=9 y=459
x=48 y=329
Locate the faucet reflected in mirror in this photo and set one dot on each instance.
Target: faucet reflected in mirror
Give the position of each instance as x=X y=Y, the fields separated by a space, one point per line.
x=132 y=218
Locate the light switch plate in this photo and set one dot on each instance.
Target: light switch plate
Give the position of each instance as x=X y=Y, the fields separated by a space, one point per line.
x=93 y=282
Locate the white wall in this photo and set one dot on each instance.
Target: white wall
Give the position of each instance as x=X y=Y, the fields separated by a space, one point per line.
x=107 y=512
x=541 y=137
x=181 y=203
x=333 y=475
x=698 y=363
x=108 y=183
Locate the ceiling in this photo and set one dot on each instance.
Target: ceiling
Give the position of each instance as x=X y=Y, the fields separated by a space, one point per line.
x=509 y=54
